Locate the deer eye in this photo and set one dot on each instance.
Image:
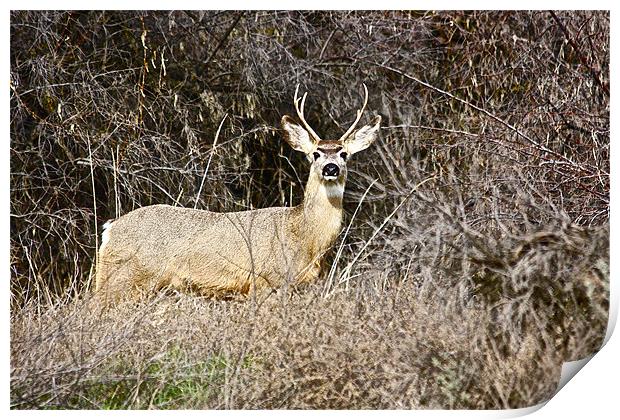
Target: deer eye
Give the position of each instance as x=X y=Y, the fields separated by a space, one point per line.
x=344 y=155
x=316 y=155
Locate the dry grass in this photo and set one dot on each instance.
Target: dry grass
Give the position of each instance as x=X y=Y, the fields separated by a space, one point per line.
x=402 y=347
x=399 y=351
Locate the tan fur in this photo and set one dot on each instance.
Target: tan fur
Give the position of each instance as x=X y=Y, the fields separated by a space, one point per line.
x=222 y=254
x=217 y=253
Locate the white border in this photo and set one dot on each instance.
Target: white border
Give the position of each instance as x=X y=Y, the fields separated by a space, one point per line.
x=591 y=395
x=315 y=5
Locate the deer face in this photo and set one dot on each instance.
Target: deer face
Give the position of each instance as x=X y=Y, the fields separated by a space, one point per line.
x=328 y=157
x=329 y=161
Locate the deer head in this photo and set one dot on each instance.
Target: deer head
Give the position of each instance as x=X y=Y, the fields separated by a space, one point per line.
x=328 y=157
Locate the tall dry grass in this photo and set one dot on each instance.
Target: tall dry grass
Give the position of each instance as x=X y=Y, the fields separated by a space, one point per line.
x=475 y=254
x=401 y=349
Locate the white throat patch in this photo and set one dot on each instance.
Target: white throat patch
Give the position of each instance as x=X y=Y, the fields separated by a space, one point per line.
x=333 y=189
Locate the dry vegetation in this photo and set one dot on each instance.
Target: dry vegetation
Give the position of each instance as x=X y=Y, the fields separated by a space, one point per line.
x=475 y=257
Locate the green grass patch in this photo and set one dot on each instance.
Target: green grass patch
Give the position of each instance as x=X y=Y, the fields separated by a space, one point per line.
x=173 y=381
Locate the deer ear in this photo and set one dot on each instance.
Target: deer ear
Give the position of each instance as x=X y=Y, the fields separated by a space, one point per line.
x=363 y=137
x=296 y=136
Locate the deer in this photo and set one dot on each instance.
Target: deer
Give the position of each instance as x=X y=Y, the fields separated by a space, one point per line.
x=236 y=253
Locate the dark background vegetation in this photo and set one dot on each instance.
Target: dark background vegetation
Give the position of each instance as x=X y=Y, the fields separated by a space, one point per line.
x=477 y=255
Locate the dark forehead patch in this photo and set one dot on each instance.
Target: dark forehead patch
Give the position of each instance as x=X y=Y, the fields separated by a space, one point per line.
x=329 y=146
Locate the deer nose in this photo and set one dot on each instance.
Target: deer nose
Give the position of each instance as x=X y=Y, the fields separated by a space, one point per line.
x=331 y=169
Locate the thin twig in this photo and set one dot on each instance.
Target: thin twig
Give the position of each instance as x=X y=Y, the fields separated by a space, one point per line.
x=424 y=127
x=225 y=37
x=347 y=271
x=593 y=73
x=92 y=179
x=204 y=176
x=332 y=270
x=520 y=133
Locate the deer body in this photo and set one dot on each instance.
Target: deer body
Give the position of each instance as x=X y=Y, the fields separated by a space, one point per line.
x=220 y=254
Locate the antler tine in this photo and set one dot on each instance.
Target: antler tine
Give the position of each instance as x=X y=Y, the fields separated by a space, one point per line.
x=300 y=113
x=359 y=115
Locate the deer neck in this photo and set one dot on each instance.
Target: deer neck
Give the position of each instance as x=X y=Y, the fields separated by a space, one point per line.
x=322 y=211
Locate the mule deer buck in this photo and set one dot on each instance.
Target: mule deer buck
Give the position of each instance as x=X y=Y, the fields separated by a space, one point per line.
x=222 y=254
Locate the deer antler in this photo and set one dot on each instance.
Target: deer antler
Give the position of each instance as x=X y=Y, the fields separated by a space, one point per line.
x=359 y=115
x=300 y=113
